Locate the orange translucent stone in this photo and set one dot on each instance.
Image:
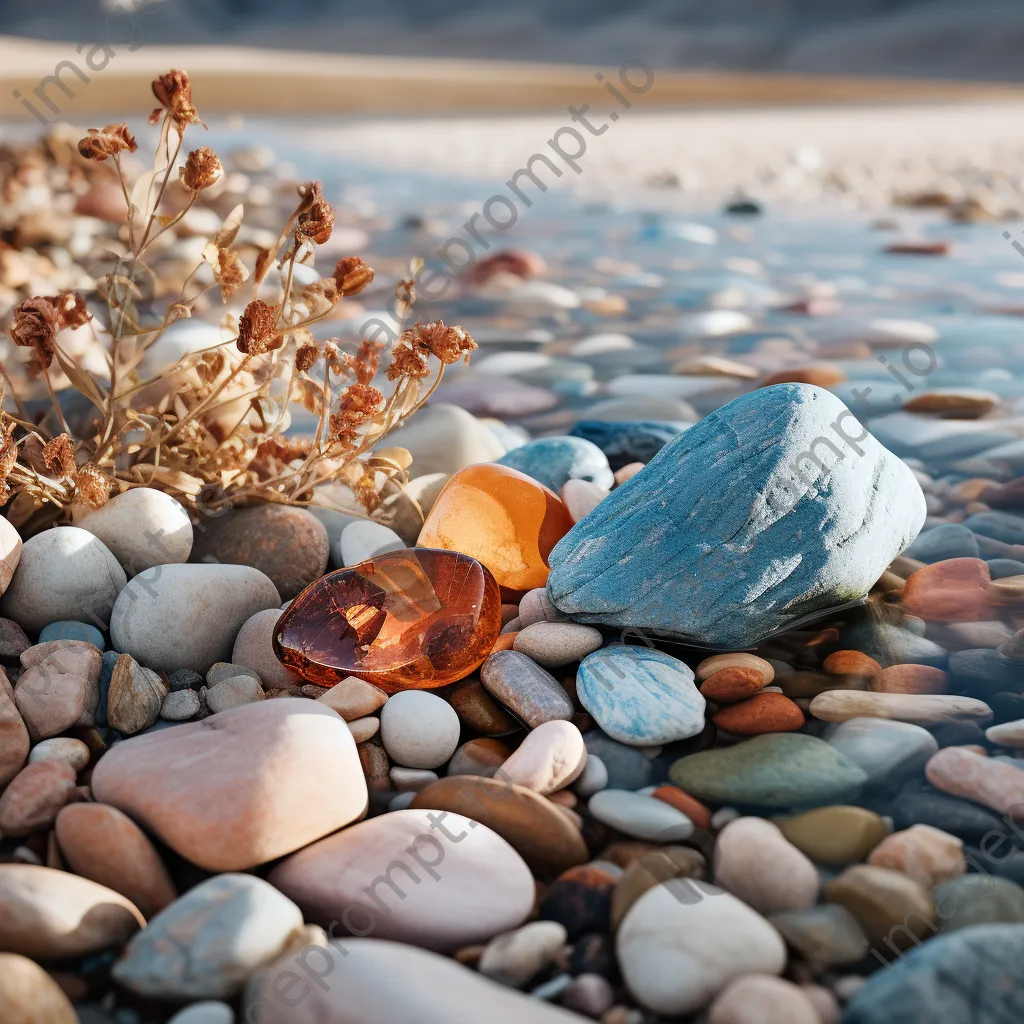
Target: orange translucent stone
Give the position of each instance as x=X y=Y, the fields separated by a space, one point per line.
x=501 y=517
x=411 y=619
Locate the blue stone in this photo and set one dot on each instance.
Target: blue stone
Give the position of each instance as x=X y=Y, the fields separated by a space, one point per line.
x=773 y=510
x=1002 y=526
x=623 y=443
x=640 y=696
x=106 y=674
x=980 y=671
x=1000 y=568
x=893 y=645
x=970 y=976
x=951 y=540
x=71 y=630
x=554 y=460
x=628 y=767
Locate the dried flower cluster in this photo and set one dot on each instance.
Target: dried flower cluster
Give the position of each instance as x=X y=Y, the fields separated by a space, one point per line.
x=214 y=419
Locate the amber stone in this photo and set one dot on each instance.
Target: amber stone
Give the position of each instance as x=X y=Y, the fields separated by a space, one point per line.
x=502 y=518
x=410 y=619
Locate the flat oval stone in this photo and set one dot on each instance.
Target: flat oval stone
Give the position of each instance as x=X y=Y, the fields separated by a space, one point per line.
x=417 y=618
x=732 y=684
x=522 y=686
x=535 y=828
x=62 y=749
x=1007 y=734
x=550 y=757
x=841 y=705
x=440 y=881
x=954 y=590
x=926 y=854
x=883 y=748
x=34 y=796
x=71 y=630
x=764 y=998
x=719 y=662
x=982 y=779
x=517 y=956
x=640 y=696
x=636 y=559
x=554 y=460
x=779 y=770
x=889 y=906
x=911 y=679
x=28 y=995
x=640 y=816
x=552 y=644
x=835 y=835
x=273 y=776
x=963 y=818
x=501 y=517
x=760 y=714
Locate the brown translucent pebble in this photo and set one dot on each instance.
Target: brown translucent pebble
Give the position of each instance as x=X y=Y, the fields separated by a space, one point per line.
x=851 y=663
x=501 y=517
x=911 y=679
x=717 y=662
x=928 y=855
x=540 y=831
x=28 y=995
x=767 y=712
x=732 y=684
x=891 y=908
x=478 y=710
x=954 y=590
x=376 y=766
x=651 y=869
x=968 y=404
x=411 y=619
x=682 y=801
x=103 y=844
x=822 y=375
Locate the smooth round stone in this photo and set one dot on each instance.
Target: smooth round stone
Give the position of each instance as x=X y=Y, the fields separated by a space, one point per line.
x=889 y=906
x=954 y=590
x=763 y=713
x=623 y=443
x=64 y=573
x=187 y=616
x=762 y=999
x=364 y=539
x=444 y=439
x=950 y=540
x=105 y=845
x=835 y=835
x=968 y=977
x=719 y=662
x=826 y=936
x=286 y=544
x=550 y=758
x=592 y=779
x=851 y=663
x=180 y=706
x=432 y=989
x=142 y=527
x=893 y=645
x=842 y=705
x=51 y=915
x=516 y=957
x=274 y=776
x=885 y=749
x=483 y=888
x=411 y=780
x=552 y=644
x=536 y=828
x=778 y=770
x=581 y=497
x=233 y=693
x=554 y=460
x=1008 y=734
x=354 y=698
x=206 y=1012
x=732 y=684
x=254 y=649
x=191 y=950
x=682 y=942
x=640 y=696
x=984 y=780
x=419 y=729
x=535 y=607
x=71 y=630
x=754 y=861
x=61 y=750
x=28 y=995
x=222 y=670
x=911 y=679
x=926 y=854
x=503 y=518
x=34 y=796
x=651 y=869
x=978 y=899
x=527 y=690
x=640 y=816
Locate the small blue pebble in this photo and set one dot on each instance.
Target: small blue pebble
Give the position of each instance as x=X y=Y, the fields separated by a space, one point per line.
x=71 y=630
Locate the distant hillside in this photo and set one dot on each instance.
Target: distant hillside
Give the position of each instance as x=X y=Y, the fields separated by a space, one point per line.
x=936 y=38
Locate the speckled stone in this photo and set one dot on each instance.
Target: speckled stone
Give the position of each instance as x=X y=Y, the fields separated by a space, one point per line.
x=553 y=644
x=527 y=690
x=640 y=696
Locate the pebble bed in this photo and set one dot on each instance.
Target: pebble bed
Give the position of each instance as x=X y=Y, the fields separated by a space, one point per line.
x=748 y=748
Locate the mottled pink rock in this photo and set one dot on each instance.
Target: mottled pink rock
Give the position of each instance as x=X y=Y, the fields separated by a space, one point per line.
x=926 y=854
x=551 y=756
x=963 y=773
x=75 y=657
x=103 y=844
x=51 y=701
x=34 y=797
x=14 y=742
x=762 y=999
x=241 y=787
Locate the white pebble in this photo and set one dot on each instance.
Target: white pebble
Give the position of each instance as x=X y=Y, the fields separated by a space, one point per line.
x=419 y=729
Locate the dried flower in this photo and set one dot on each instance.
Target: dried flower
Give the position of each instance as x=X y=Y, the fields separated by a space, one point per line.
x=92 y=488
x=316 y=215
x=229 y=272
x=367 y=361
x=352 y=275
x=35 y=325
x=283 y=449
x=174 y=92
x=59 y=455
x=8 y=459
x=257 y=327
x=407 y=361
x=101 y=143
x=448 y=344
x=356 y=404
x=202 y=169
x=305 y=356
x=71 y=309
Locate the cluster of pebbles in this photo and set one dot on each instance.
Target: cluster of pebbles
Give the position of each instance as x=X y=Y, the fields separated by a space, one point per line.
x=746 y=751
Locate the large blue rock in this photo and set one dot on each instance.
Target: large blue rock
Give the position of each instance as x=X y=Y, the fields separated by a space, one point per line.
x=623 y=443
x=972 y=976
x=775 y=508
x=554 y=460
